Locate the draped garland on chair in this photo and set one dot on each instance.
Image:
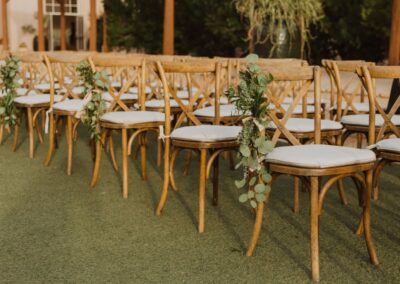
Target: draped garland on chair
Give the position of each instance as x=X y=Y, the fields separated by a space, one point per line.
x=249 y=99
x=94 y=83
x=10 y=82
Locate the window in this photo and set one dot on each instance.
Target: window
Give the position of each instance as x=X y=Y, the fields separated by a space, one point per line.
x=53 y=7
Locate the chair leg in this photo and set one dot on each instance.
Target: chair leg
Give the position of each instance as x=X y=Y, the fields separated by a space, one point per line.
x=159 y=152
x=142 y=141
x=112 y=152
x=16 y=137
x=377 y=171
x=30 y=131
x=215 y=181
x=51 y=139
x=188 y=159
x=124 y=163
x=202 y=189
x=367 y=219
x=342 y=193
x=256 y=229
x=1 y=133
x=164 y=193
x=70 y=142
x=96 y=168
x=296 y=194
x=359 y=140
x=314 y=223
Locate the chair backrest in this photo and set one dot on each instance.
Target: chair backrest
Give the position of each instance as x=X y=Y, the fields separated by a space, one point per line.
x=295 y=82
x=129 y=71
x=64 y=77
x=190 y=70
x=368 y=75
x=346 y=86
x=34 y=74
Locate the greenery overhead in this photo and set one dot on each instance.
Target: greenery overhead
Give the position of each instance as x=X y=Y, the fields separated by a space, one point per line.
x=350 y=29
x=9 y=74
x=94 y=83
x=254 y=144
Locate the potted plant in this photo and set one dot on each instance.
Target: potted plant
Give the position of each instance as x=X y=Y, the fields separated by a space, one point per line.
x=280 y=23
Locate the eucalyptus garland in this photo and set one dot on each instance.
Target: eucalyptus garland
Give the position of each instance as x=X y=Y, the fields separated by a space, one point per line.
x=94 y=83
x=9 y=73
x=249 y=98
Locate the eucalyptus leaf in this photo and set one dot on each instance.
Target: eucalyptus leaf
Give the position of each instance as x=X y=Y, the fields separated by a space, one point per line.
x=260 y=188
x=253 y=204
x=243 y=198
x=240 y=183
x=260 y=197
x=244 y=150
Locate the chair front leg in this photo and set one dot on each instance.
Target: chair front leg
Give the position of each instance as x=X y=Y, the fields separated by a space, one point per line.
x=96 y=168
x=164 y=193
x=51 y=139
x=29 y=119
x=256 y=229
x=142 y=142
x=70 y=141
x=314 y=224
x=215 y=180
x=124 y=141
x=202 y=189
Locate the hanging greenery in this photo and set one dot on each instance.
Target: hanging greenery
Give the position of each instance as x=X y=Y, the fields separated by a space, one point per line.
x=9 y=73
x=254 y=144
x=265 y=16
x=94 y=84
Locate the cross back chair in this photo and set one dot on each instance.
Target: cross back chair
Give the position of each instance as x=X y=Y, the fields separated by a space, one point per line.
x=124 y=119
x=315 y=161
x=213 y=138
x=66 y=105
x=382 y=122
x=33 y=98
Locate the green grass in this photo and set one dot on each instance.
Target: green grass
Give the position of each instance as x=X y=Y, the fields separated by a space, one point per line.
x=54 y=228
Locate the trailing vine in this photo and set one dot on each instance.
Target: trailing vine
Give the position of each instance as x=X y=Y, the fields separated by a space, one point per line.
x=249 y=98
x=94 y=84
x=10 y=82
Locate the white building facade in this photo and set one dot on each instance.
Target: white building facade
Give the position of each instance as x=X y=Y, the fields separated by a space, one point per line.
x=22 y=23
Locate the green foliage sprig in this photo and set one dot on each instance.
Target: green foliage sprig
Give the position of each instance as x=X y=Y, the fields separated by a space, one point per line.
x=94 y=83
x=10 y=82
x=254 y=144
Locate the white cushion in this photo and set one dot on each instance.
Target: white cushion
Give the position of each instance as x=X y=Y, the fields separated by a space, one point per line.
x=207 y=133
x=363 y=119
x=224 y=110
x=160 y=103
x=107 y=96
x=223 y=100
x=46 y=86
x=34 y=99
x=391 y=145
x=362 y=107
x=131 y=117
x=135 y=90
x=297 y=110
x=69 y=105
x=20 y=92
x=319 y=156
x=307 y=125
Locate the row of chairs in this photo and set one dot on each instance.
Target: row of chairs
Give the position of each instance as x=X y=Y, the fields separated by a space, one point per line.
x=181 y=99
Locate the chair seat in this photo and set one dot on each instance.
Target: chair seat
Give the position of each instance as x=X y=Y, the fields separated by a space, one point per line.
x=363 y=119
x=135 y=90
x=223 y=100
x=133 y=117
x=391 y=145
x=69 y=105
x=225 y=111
x=46 y=86
x=297 y=110
x=310 y=101
x=207 y=133
x=361 y=107
x=124 y=97
x=307 y=125
x=160 y=103
x=20 y=92
x=319 y=156
x=36 y=99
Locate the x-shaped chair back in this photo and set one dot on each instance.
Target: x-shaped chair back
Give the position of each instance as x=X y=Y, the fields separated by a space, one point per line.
x=295 y=82
x=347 y=86
x=33 y=70
x=368 y=75
x=62 y=70
x=130 y=70
x=189 y=69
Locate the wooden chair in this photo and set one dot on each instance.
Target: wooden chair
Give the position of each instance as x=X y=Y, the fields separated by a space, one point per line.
x=348 y=96
x=315 y=161
x=3 y=57
x=124 y=119
x=62 y=72
x=382 y=122
x=213 y=138
x=33 y=97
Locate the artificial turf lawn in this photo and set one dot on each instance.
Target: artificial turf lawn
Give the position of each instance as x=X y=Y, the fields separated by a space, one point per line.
x=54 y=228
